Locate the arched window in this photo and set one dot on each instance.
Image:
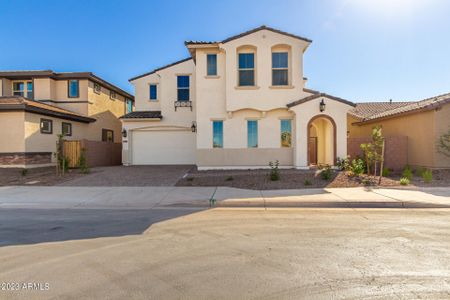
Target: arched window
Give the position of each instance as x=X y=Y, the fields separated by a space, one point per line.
x=246 y=65
x=281 y=65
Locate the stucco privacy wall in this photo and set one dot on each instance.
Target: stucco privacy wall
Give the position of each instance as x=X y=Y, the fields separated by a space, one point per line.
x=305 y=112
x=421 y=136
x=12 y=132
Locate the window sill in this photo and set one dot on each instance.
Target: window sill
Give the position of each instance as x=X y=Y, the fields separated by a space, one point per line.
x=246 y=87
x=153 y=100
x=212 y=77
x=281 y=87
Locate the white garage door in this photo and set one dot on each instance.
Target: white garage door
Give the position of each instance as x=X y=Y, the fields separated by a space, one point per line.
x=163 y=147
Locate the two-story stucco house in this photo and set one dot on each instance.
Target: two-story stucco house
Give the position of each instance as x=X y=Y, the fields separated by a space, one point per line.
x=36 y=106
x=236 y=103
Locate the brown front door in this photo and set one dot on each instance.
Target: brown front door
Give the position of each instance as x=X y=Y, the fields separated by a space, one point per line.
x=312 y=151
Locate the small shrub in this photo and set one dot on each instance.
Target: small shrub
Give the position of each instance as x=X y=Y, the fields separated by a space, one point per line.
x=427 y=176
x=274 y=171
x=307 y=182
x=419 y=171
x=386 y=172
x=190 y=179
x=407 y=173
x=24 y=172
x=343 y=163
x=404 y=181
x=83 y=162
x=229 y=178
x=365 y=181
x=326 y=173
x=357 y=166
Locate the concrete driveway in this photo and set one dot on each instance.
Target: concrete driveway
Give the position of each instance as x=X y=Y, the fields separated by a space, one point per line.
x=166 y=175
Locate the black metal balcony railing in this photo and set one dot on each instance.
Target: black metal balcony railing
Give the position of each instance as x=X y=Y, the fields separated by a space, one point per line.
x=183 y=104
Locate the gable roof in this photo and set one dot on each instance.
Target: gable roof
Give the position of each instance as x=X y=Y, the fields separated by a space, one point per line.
x=234 y=37
x=316 y=95
x=161 y=68
x=17 y=103
x=24 y=74
x=402 y=108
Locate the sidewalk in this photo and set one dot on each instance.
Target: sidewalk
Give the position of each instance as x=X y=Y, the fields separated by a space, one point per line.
x=164 y=197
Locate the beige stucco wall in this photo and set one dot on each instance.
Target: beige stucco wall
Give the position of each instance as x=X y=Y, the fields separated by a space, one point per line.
x=106 y=111
x=35 y=141
x=243 y=158
x=1 y=87
x=12 y=133
x=305 y=112
x=6 y=87
x=263 y=96
x=420 y=128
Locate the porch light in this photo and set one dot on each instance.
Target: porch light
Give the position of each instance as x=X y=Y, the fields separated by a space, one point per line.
x=322 y=105
x=124 y=133
x=194 y=127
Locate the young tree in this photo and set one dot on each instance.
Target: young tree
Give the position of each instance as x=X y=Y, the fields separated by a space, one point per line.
x=443 y=144
x=373 y=151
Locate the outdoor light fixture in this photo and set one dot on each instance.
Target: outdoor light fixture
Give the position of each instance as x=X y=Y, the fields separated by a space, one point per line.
x=194 y=127
x=322 y=105
x=124 y=133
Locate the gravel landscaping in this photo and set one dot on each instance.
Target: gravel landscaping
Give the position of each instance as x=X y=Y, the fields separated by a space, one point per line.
x=297 y=179
x=36 y=176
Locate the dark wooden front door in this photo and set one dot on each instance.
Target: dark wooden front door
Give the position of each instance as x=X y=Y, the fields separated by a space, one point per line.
x=312 y=150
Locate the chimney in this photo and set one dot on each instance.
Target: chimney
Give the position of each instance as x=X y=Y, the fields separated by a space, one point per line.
x=390 y=101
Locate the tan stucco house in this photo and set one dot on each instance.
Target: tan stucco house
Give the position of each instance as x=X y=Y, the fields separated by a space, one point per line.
x=420 y=123
x=36 y=106
x=237 y=103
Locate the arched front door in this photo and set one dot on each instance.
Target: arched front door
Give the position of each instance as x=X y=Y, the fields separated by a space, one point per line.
x=321 y=133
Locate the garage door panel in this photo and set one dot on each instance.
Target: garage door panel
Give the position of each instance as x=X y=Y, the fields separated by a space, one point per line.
x=163 y=147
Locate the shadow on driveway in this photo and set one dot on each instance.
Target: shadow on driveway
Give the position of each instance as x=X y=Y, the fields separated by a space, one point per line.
x=30 y=226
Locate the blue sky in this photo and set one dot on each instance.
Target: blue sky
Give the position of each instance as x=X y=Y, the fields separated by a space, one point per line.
x=362 y=50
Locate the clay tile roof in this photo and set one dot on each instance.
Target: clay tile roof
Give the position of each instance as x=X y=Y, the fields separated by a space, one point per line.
x=367 y=109
x=16 y=103
x=386 y=110
x=318 y=95
x=146 y=114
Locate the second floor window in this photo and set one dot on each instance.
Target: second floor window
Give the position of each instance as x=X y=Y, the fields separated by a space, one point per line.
x=211 y=64
x=129 y=105
x=246 y=69
x=23 y=88
x=73 y=89
x=183 y=88
x=280 y=68
x=153 y=92
x=97 y=88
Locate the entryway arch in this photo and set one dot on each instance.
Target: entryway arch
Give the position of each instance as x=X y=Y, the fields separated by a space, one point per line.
x=321 y=140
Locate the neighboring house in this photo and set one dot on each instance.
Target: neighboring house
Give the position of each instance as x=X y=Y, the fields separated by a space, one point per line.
x=236 y=103
x=36 y=106
x=420 y=122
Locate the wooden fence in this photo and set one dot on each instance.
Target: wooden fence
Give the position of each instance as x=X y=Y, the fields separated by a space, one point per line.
x=72 y=152
x=97 y=153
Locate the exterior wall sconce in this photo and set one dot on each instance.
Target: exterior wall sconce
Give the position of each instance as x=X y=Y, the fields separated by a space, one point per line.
x=124 y=133
x=322 y=106
x=194 y=126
